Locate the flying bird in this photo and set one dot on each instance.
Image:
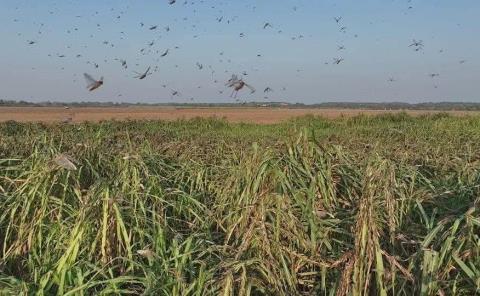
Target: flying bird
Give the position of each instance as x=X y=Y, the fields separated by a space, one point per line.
x=65 y=162
x=337 y=61
x=144 y=74
x=124 y=63
x=164 y=54
x=92 y=84
x=238 y=84
x=267 y=89
x=418 y=44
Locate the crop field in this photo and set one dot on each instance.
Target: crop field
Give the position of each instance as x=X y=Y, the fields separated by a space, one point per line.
x=263 y=115
x=354 y=205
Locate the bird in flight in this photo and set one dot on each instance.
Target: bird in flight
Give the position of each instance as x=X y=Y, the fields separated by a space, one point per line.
x=238 y=84
x=92 y=84
x=144 y=74
x=164 y=54
x=65 y=162
x=124 y=63
x=418 y=44
x=337 y=61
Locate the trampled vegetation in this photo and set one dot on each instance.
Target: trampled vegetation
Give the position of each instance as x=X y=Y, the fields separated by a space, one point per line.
x=383 y=205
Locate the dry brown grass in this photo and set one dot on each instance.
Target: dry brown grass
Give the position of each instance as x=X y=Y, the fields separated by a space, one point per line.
x=256 y=115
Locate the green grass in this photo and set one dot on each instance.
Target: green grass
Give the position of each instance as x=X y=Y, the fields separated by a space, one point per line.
x=385 y=205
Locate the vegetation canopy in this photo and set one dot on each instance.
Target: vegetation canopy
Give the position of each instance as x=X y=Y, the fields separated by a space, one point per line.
x=384 y=205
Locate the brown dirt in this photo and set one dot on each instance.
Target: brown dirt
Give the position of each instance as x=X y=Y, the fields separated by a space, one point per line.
x=256 y=115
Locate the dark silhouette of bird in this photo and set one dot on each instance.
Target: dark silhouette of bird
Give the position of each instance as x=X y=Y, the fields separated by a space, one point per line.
x=92 y=84
x=238 y=84
x=124 y=63
x=337 y=61
x=164 y=54
x=417 y=44
x=143 y=75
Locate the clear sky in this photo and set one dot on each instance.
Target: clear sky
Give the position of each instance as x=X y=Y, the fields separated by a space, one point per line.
x=294 y=56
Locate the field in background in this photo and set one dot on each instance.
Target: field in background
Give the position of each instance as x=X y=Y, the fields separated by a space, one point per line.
x=263 y=115
x=385 y=205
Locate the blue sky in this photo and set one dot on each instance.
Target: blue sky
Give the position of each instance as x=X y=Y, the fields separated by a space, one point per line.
x=298 y=69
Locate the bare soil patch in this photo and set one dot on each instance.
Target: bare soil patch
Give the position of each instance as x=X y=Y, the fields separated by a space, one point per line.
x=254 y=115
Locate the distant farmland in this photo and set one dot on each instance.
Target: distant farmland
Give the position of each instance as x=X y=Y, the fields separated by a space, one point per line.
x=264 y=115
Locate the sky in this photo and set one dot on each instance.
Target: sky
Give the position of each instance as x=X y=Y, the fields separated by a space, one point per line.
x=208 y=41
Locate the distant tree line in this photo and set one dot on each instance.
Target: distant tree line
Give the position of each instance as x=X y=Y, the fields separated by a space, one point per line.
x=440 y=106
